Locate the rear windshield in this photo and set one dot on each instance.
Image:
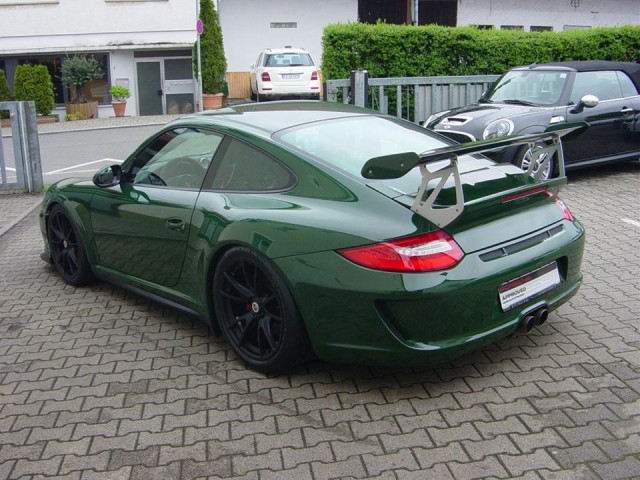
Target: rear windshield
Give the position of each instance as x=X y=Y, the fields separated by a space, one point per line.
x=348 y=143
x=288 y=60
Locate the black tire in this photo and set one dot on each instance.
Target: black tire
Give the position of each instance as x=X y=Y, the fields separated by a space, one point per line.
x=256 y=312
x=67 y=250
x=526 y=154
x=254 y=96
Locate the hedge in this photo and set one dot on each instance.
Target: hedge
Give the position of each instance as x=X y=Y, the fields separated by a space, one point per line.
x=33 y=82
x=413 y=51
x=5 y=95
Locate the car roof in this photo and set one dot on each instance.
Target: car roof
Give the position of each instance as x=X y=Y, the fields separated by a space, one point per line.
x=630 y=68
x=270 y=117
x=285 y=50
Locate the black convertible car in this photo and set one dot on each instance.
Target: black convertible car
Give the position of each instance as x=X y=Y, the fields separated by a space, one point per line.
x=530 y=99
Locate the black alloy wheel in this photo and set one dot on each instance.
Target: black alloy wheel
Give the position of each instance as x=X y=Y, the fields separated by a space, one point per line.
x=256 y=312
x=67 y=251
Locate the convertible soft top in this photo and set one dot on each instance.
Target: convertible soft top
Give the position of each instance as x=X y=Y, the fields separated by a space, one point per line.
x=630 y=68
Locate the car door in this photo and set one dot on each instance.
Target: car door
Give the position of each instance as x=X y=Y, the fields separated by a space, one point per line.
x=141 y=226
x=608 y=135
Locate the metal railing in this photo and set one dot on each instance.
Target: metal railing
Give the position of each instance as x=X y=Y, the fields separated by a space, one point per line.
x=415 y=98
x=23 y=132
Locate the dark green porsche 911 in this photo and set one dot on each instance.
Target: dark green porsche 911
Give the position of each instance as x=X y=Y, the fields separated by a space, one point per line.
x=306 y=228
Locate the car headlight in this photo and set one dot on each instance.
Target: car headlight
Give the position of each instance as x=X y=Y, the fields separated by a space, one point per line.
x=498 y=128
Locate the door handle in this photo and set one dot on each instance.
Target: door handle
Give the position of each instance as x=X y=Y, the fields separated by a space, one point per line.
x=626 y=110
x=176 y=224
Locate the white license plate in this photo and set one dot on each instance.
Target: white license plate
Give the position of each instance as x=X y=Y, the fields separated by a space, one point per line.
x=519 y=290
x=290 y=76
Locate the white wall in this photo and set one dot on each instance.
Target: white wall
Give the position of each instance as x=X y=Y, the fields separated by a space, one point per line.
x=246 y=26
x=42 y=26
x=554 y=13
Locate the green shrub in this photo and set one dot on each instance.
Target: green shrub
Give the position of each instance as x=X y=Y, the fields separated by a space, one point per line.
x=33 y=82
x=69 y=117
x=409 y=51
x=5 y=95
x=212 y=59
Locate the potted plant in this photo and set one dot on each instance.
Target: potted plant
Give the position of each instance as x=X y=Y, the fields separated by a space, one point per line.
x=119 y=95
x=77 y=71
x=212 y=59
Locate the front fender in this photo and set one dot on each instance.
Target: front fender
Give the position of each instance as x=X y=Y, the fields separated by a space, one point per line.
x=75 y=198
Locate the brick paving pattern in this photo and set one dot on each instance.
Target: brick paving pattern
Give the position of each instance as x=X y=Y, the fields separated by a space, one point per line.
x=99 y=383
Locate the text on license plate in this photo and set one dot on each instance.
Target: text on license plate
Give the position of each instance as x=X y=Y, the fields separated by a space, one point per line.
x=519 y=290
x=290 y=76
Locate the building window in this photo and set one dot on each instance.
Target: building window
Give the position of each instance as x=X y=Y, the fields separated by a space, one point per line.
x=26 y=2
x=484 y=27
x=284 y=25
x=511 y=27
x=540 y=28
x=576 y=27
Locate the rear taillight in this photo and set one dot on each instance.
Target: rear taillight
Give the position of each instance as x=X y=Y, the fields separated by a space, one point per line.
x=421 y=253
x=314 y=75
x=265 y=77
x=524 y=194
x=565 y=210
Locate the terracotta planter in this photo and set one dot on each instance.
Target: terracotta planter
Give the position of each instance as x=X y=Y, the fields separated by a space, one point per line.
x=119 y=108
x=87 y=110
x=211 y=101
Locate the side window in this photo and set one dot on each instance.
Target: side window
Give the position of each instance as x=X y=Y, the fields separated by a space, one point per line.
x=177 y=158
x=603 y=85
x=244 y=168
x=628 y=88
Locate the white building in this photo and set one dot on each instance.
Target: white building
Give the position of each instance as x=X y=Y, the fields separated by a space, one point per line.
x=147 y=44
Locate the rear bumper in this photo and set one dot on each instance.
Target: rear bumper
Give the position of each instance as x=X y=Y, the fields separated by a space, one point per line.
x=356 y=315
x=277 y=91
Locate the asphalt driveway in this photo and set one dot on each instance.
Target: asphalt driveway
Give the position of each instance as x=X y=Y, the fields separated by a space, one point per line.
x=99 y=383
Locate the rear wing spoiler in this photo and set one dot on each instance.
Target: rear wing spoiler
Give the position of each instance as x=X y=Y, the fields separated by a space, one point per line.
x=398 y=165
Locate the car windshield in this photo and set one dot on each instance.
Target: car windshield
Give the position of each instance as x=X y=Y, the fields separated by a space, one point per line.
x=288 y=60
x=528 y=88
x=348 y=143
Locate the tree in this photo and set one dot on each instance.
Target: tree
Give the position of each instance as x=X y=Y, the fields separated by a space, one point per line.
x=33 y=83
x=212 y=59
x=78 y=71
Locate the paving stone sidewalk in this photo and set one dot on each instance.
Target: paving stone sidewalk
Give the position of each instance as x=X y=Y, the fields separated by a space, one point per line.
x=99 y=383
x=14 y=207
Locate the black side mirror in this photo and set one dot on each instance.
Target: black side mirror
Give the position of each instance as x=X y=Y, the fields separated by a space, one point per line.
x=108 y=176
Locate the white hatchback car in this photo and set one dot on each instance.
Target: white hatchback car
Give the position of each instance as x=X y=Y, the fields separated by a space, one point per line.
x=283 y=72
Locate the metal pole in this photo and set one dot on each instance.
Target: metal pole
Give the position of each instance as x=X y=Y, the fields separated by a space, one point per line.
x=199 y=95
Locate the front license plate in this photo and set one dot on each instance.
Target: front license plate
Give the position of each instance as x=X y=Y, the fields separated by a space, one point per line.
x=522 y=289
x=290 y=76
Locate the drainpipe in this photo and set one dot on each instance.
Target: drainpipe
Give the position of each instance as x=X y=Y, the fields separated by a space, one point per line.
x=416 y=4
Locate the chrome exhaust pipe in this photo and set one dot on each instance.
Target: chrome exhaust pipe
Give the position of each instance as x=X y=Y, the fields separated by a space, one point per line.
x=527 y=323
x=541 y=315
